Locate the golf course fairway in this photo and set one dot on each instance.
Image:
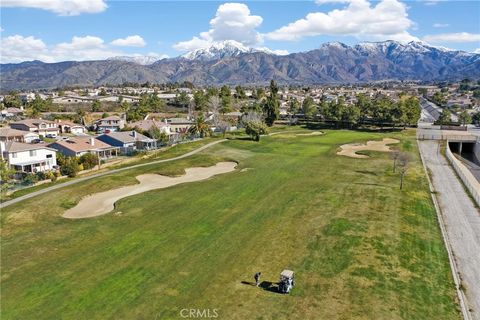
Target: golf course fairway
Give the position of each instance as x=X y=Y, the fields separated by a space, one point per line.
x=360 y=247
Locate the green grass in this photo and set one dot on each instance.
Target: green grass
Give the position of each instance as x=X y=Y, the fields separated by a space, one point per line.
x=161 y=154
x=360 y=247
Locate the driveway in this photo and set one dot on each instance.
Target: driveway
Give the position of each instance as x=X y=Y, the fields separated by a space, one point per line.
x=461 y=220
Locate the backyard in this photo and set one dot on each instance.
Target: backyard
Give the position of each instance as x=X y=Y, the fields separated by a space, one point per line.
x=361 y=248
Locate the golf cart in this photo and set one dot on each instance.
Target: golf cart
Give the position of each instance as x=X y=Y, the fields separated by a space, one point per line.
x=287 y=281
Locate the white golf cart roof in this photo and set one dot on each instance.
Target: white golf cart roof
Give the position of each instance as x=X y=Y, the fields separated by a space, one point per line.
x=287 y=273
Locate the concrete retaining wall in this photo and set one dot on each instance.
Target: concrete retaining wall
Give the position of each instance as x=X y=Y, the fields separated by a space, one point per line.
x=476 y=151
x=467 y=177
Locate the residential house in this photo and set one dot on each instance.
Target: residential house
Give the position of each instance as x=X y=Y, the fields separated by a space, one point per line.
x=179 y=125
x=9 y=134
x=110 y=124
x=71 y=127
x=146 y=125
x=11 y=113
x=44 y=128
x=128 y=141
x=78 y=146
x=27 y=157
x=73 y=99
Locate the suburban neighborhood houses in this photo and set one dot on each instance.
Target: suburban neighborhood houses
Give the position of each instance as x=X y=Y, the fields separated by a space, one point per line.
x=113 y=122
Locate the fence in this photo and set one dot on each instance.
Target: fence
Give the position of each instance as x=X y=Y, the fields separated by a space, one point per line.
x=467 y=177
x=443 y=136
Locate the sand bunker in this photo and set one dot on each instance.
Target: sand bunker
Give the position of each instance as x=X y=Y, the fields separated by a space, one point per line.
x=103 y=202
x=314 y=133
x=350 y=150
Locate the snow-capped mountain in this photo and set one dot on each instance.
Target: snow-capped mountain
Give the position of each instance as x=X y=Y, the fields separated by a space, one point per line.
x=225 y=49
x=331 y=63
x=143 y=60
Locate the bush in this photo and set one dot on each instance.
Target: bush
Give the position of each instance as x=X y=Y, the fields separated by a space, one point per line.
x=70 y=167
x=89 y=160
x=41 y=176
x=30 y=179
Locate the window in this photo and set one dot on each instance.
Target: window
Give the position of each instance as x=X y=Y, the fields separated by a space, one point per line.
x=14 y=154
x=49 y=156
x=33 y=153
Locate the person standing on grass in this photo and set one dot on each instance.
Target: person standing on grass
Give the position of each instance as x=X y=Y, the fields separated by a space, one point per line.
x=257 y=278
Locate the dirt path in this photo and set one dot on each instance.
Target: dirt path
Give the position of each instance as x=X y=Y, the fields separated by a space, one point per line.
x=461 y=222
x=93 y=176
x=351 y=149
x=103 y=202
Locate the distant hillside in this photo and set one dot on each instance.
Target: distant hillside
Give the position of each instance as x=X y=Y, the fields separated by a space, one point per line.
x=331 y=63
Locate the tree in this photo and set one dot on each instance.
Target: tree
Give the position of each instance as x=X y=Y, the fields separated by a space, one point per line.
x=200 y=100
x=182 y=99
x=226 y=104
x=464 y=117
x=350 y=115
x=70 y=167
x=6 y=173
x=12 y=101
x=96 y=106
x=364 y=104
x=294 y=106
x=240 y=93
x=89 y=160
x=309 y=108
x=403 y=164
x=272 y=105
x=200 y=127
x=102 y=92
x=254 y=125
x=159 y=135
x=395 y=156
x=445 y=116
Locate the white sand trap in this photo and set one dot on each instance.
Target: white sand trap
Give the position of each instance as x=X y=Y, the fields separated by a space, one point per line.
x=350 y=150
x=103 y=202
x=314 y=133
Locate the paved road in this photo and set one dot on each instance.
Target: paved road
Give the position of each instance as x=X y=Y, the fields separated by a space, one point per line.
x=72 y=182
x=461 y=219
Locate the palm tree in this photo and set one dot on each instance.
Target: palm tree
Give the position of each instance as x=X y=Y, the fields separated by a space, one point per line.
x=200 y=127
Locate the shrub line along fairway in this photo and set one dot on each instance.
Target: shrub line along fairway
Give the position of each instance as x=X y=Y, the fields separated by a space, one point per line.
x=66 y=184
x=102 y=203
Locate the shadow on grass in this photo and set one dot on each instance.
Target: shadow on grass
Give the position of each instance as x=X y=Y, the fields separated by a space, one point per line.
x=265 y=285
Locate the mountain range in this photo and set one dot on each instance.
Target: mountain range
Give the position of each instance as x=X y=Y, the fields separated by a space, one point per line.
x=232 y=63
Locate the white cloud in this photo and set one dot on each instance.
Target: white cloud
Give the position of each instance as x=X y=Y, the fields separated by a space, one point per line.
x=60 y=7
x=232 y=21
x=387 y=20
x=320 y=2
x=452 y=37
x=441 y=25
x=83 y=48
x=477 y=50
x=18 y=48
x=130 y=41
x=431 y=2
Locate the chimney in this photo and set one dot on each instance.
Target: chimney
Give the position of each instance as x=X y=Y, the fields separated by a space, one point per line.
x=134 y=134
x=92 y=141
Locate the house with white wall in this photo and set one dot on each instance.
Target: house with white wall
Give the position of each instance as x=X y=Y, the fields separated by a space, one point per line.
x=44 y=128
x=27 y=157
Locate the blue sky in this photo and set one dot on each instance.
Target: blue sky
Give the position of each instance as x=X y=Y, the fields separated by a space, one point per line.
x=95 y=29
